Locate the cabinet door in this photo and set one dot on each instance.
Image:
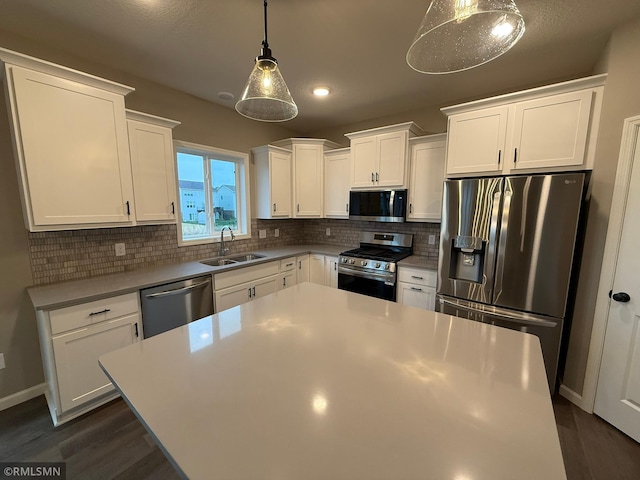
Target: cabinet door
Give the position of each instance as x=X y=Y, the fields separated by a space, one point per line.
x=476 y=141
x=307 y=182
x=426 y=181
x=392 y=159
x=265 y=286
x=76 y=353
x=337 y=168
x=316 y=269
x=280 y=182
x=287 y=279
x=233 y=296
x=153 y=171
x=417 y=296
x=73 y=149
x=551 y=132
x=363 y=161
x=303 y=269
x=331 y=272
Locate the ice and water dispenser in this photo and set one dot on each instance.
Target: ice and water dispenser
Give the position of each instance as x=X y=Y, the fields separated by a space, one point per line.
x=467 y=259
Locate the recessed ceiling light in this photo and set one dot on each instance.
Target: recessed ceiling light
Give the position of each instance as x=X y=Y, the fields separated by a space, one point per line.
x=321 y=91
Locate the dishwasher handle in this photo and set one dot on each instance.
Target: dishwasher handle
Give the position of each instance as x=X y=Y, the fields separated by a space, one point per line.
x=178 y=291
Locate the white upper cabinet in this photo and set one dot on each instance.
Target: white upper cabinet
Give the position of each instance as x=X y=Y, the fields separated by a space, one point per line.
x=273 y=182
x=307 y=161
x=153 y=167
x=70 y=141
x=426 y=178
x=337 y=178
x=379 y=156
x=546 y=129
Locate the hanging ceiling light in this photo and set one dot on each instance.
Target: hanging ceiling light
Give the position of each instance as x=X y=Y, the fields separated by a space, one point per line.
x=459 y=34
x=265 y=96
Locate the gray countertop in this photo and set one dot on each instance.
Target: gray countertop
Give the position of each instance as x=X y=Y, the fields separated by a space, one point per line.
x=58 y=295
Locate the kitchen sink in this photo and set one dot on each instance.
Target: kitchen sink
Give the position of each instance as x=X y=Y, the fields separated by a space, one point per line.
x=221 y=261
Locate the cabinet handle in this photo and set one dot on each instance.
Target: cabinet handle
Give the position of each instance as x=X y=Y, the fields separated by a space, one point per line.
x=416 y=277
x=173 y=208
x=411 y=208
x=254 y=291
x=284 y=281
x=300 y=265
x=289 y=264
x=372 y=178
x=515 y=155
x=274 y=207
x=346 y=208
x=136 y=327
x=298 y=208
x=335 y=266
x=249 y=292
x=416 y=289
x=128 y=209
x=499 y=156
x=100 y=312
x=377 y=177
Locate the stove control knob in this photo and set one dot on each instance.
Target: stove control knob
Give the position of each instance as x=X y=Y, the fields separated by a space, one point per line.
x=387 y=266
x=377 y=264
x=352 y=261
x=343 y=260
x=363 y=263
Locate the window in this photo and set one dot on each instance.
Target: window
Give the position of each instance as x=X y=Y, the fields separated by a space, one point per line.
x=213 y=186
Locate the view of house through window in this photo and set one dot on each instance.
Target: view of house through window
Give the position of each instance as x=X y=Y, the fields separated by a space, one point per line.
x=211 y=194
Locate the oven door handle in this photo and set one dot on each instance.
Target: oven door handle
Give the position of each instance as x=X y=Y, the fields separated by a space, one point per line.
x=387 y=278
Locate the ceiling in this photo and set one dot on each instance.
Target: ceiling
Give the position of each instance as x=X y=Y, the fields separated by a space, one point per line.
x=356 y=47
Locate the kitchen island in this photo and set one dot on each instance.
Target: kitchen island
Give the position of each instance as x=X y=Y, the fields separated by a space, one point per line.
x=317 y=383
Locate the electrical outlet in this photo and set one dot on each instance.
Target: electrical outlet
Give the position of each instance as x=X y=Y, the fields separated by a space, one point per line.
x=328 y=232
x=262 y=233
x=276 y=232
x=432 y=239
x=2 y=364
x=120 y=250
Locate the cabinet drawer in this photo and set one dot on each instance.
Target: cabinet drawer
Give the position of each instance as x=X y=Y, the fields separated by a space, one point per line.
x=287 y=264
x=78 y=316
x=418 y=276
x=245 y=274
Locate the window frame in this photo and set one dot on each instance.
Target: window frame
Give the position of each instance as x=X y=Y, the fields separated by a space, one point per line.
x=243 y=191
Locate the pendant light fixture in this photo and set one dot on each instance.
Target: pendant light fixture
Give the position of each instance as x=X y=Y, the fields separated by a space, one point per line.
x=265 y=96
x=456 y=35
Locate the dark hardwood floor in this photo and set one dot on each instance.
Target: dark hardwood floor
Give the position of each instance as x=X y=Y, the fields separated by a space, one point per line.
x=110 y=443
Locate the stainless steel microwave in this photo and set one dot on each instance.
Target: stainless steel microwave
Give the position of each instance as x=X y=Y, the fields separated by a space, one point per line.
x=378 y=205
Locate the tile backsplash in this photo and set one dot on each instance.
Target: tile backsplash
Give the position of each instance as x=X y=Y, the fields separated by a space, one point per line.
x=76 y=254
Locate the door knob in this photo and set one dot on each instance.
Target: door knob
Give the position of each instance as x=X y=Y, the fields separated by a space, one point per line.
x=620 y=296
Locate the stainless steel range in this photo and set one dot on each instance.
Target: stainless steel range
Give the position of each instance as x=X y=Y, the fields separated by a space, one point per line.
x=371 y=268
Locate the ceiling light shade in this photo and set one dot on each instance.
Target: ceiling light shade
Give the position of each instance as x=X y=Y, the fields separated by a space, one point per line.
x=265 y=96
x=456 y=35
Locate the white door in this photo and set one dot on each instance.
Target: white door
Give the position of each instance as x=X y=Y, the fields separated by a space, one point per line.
x=618 y=391
x=337 y=167
x=307 y=180
x=417 y=296
x=280 y=179
x=392 y=159
x=363 y=161
x=316 y=269
x=233 y=296
x=426 y=180
x=331 y=272
x=303 y=269
x=265 y=286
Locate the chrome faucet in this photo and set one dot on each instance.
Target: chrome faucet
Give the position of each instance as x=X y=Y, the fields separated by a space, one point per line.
x=223 y=250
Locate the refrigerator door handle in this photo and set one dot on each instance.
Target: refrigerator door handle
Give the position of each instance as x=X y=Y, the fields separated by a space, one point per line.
x=510 y=316
x=502 y=245
x=493 y=235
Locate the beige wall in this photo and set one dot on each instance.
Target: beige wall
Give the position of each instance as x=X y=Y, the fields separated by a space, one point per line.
x=202 y=122
x=621 y=61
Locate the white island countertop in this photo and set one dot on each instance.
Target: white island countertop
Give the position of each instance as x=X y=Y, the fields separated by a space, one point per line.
x=317 y=383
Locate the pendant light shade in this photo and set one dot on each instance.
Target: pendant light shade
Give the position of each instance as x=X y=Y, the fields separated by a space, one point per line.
x=265 y=96
x=456 y=35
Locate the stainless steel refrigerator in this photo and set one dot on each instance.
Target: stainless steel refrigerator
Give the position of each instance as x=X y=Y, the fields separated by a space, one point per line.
x=507 y=248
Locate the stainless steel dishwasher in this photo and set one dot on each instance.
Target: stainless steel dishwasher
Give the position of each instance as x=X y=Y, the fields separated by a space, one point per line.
x=175 y=304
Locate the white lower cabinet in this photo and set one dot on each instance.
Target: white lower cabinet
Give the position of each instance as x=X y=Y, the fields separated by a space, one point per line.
x=245 y=284
x=288 y=273
x=417 y=287
x=331 y=271
x=72 y=340
x=323 y=270
x=303 y=268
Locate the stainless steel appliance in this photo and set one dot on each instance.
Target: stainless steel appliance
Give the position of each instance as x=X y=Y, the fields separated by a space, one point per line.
x=378 y=205
x=506 y=253
x=168 y=306
x=371 y=269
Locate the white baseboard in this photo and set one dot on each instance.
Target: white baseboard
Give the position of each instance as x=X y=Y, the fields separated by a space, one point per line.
x=22 y=396
x=574 y=398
